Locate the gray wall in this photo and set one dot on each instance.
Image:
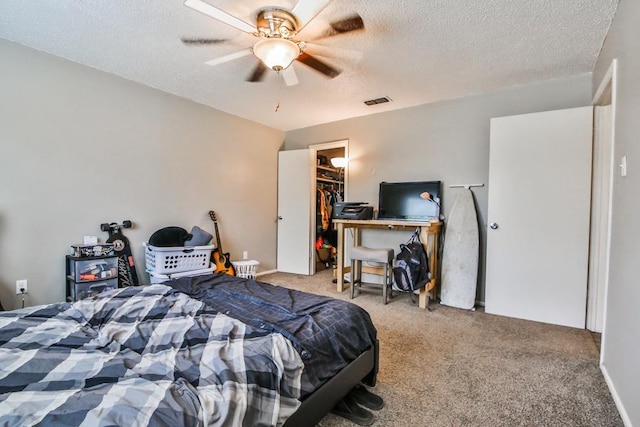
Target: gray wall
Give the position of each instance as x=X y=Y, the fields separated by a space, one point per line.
x=446 y=141
x=621 y=337
x=79 y=147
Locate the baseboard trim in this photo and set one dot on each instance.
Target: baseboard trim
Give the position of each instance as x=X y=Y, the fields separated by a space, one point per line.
x=616 y=398
x=262 y=273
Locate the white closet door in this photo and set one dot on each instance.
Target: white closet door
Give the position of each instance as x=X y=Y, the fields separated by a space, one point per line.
x=539 y=201
x=295 y=191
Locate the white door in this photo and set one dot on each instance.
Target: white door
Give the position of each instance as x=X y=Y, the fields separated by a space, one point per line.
x=295 y=192
x=539 y=201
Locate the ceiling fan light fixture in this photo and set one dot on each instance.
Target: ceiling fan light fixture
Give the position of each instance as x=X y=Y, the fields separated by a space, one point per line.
x=276 y=53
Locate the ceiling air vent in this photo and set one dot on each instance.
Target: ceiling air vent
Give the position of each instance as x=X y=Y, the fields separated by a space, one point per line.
x=378 y=100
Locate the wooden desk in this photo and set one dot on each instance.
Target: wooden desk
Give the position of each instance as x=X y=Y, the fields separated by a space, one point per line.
x=429 y=236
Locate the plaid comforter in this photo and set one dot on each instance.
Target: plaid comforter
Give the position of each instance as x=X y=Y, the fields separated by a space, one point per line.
x=327 y=332
x=142 y=356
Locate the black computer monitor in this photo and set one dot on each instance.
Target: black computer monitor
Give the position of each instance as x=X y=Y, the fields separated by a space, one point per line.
x=408 y=201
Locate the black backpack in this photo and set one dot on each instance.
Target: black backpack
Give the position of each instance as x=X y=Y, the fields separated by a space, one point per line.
x=411 y=271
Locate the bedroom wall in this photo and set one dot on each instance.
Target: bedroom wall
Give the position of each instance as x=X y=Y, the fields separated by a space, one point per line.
x=79 y=147
x=446 y=141
x=620 y=343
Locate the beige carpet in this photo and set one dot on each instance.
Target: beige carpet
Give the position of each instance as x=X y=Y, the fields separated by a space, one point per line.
x=451 y=367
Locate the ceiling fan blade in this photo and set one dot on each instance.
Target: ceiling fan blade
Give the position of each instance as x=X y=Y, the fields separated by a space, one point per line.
x=349 y=24
x=229 y=57
x=306 y=10
x=318 y=65
x=258 y=72
x=333 y=51
x=201 y=41
x=289 y=75
x=220 y=15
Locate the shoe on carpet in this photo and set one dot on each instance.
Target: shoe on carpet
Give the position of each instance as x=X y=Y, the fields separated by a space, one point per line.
x=349 y=409
x=365 y=398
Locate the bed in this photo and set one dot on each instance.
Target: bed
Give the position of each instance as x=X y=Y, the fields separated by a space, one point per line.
x=206 y=350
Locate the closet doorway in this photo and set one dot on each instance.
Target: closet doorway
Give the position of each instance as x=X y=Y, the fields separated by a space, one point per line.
x=330 y=185
x=301 y=218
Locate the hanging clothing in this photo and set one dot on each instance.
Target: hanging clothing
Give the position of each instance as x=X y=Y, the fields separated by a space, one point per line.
x=322 y=209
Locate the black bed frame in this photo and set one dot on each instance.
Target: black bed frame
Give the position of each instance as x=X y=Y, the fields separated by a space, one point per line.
x=318 y=404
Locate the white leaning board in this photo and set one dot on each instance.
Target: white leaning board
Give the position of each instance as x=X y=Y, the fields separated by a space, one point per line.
x=460 y=254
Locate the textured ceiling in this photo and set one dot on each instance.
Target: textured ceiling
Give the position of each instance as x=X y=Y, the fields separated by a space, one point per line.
x=413 y=51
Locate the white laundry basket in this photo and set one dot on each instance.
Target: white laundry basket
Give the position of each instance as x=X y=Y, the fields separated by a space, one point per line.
x=171 y=260
x=161 y=278
x=246 y=269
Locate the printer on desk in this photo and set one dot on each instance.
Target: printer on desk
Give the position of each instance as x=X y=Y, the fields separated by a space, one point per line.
x=352 y=210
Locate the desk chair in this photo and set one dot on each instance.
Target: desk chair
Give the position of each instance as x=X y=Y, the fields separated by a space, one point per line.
x=379 y=258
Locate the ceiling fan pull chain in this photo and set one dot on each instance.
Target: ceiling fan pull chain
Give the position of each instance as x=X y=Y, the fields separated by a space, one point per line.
x=279 y=89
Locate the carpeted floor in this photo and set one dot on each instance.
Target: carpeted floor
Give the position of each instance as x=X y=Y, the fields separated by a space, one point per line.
x=451 y=367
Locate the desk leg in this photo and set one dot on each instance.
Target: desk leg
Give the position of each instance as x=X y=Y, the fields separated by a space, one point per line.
x=429 y=241
x=423 y=301
x=340 y=258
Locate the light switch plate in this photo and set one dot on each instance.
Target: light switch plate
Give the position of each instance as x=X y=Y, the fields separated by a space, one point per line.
x=623 y=166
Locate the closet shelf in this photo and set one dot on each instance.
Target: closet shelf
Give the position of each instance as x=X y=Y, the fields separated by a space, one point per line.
x=327 y=168
x=333 y=181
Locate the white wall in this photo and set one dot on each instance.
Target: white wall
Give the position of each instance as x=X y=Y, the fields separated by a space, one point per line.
x=446 y=141
x=621 y=336
x=79 y=147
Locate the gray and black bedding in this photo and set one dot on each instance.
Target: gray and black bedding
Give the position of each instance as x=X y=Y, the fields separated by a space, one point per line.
x=328 y=333
x=173 y=354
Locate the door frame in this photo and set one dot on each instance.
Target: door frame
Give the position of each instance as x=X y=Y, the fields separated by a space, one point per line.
x=601 y=243
x=314 y=148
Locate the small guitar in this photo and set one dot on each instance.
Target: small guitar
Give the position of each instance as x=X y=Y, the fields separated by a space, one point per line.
x=220 y=258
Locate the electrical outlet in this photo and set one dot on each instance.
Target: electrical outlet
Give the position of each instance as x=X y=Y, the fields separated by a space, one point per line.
x=245 y=255
x=21 y=286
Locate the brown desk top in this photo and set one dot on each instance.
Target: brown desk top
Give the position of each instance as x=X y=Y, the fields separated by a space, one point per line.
x=387 y=222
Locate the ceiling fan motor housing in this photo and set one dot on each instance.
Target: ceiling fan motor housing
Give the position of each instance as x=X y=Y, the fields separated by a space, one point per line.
x=276 y=23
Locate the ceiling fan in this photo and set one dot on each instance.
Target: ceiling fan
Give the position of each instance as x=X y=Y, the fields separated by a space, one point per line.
x=277 y=30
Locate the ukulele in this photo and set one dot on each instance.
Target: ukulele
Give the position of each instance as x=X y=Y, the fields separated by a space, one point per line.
x=220 y=258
